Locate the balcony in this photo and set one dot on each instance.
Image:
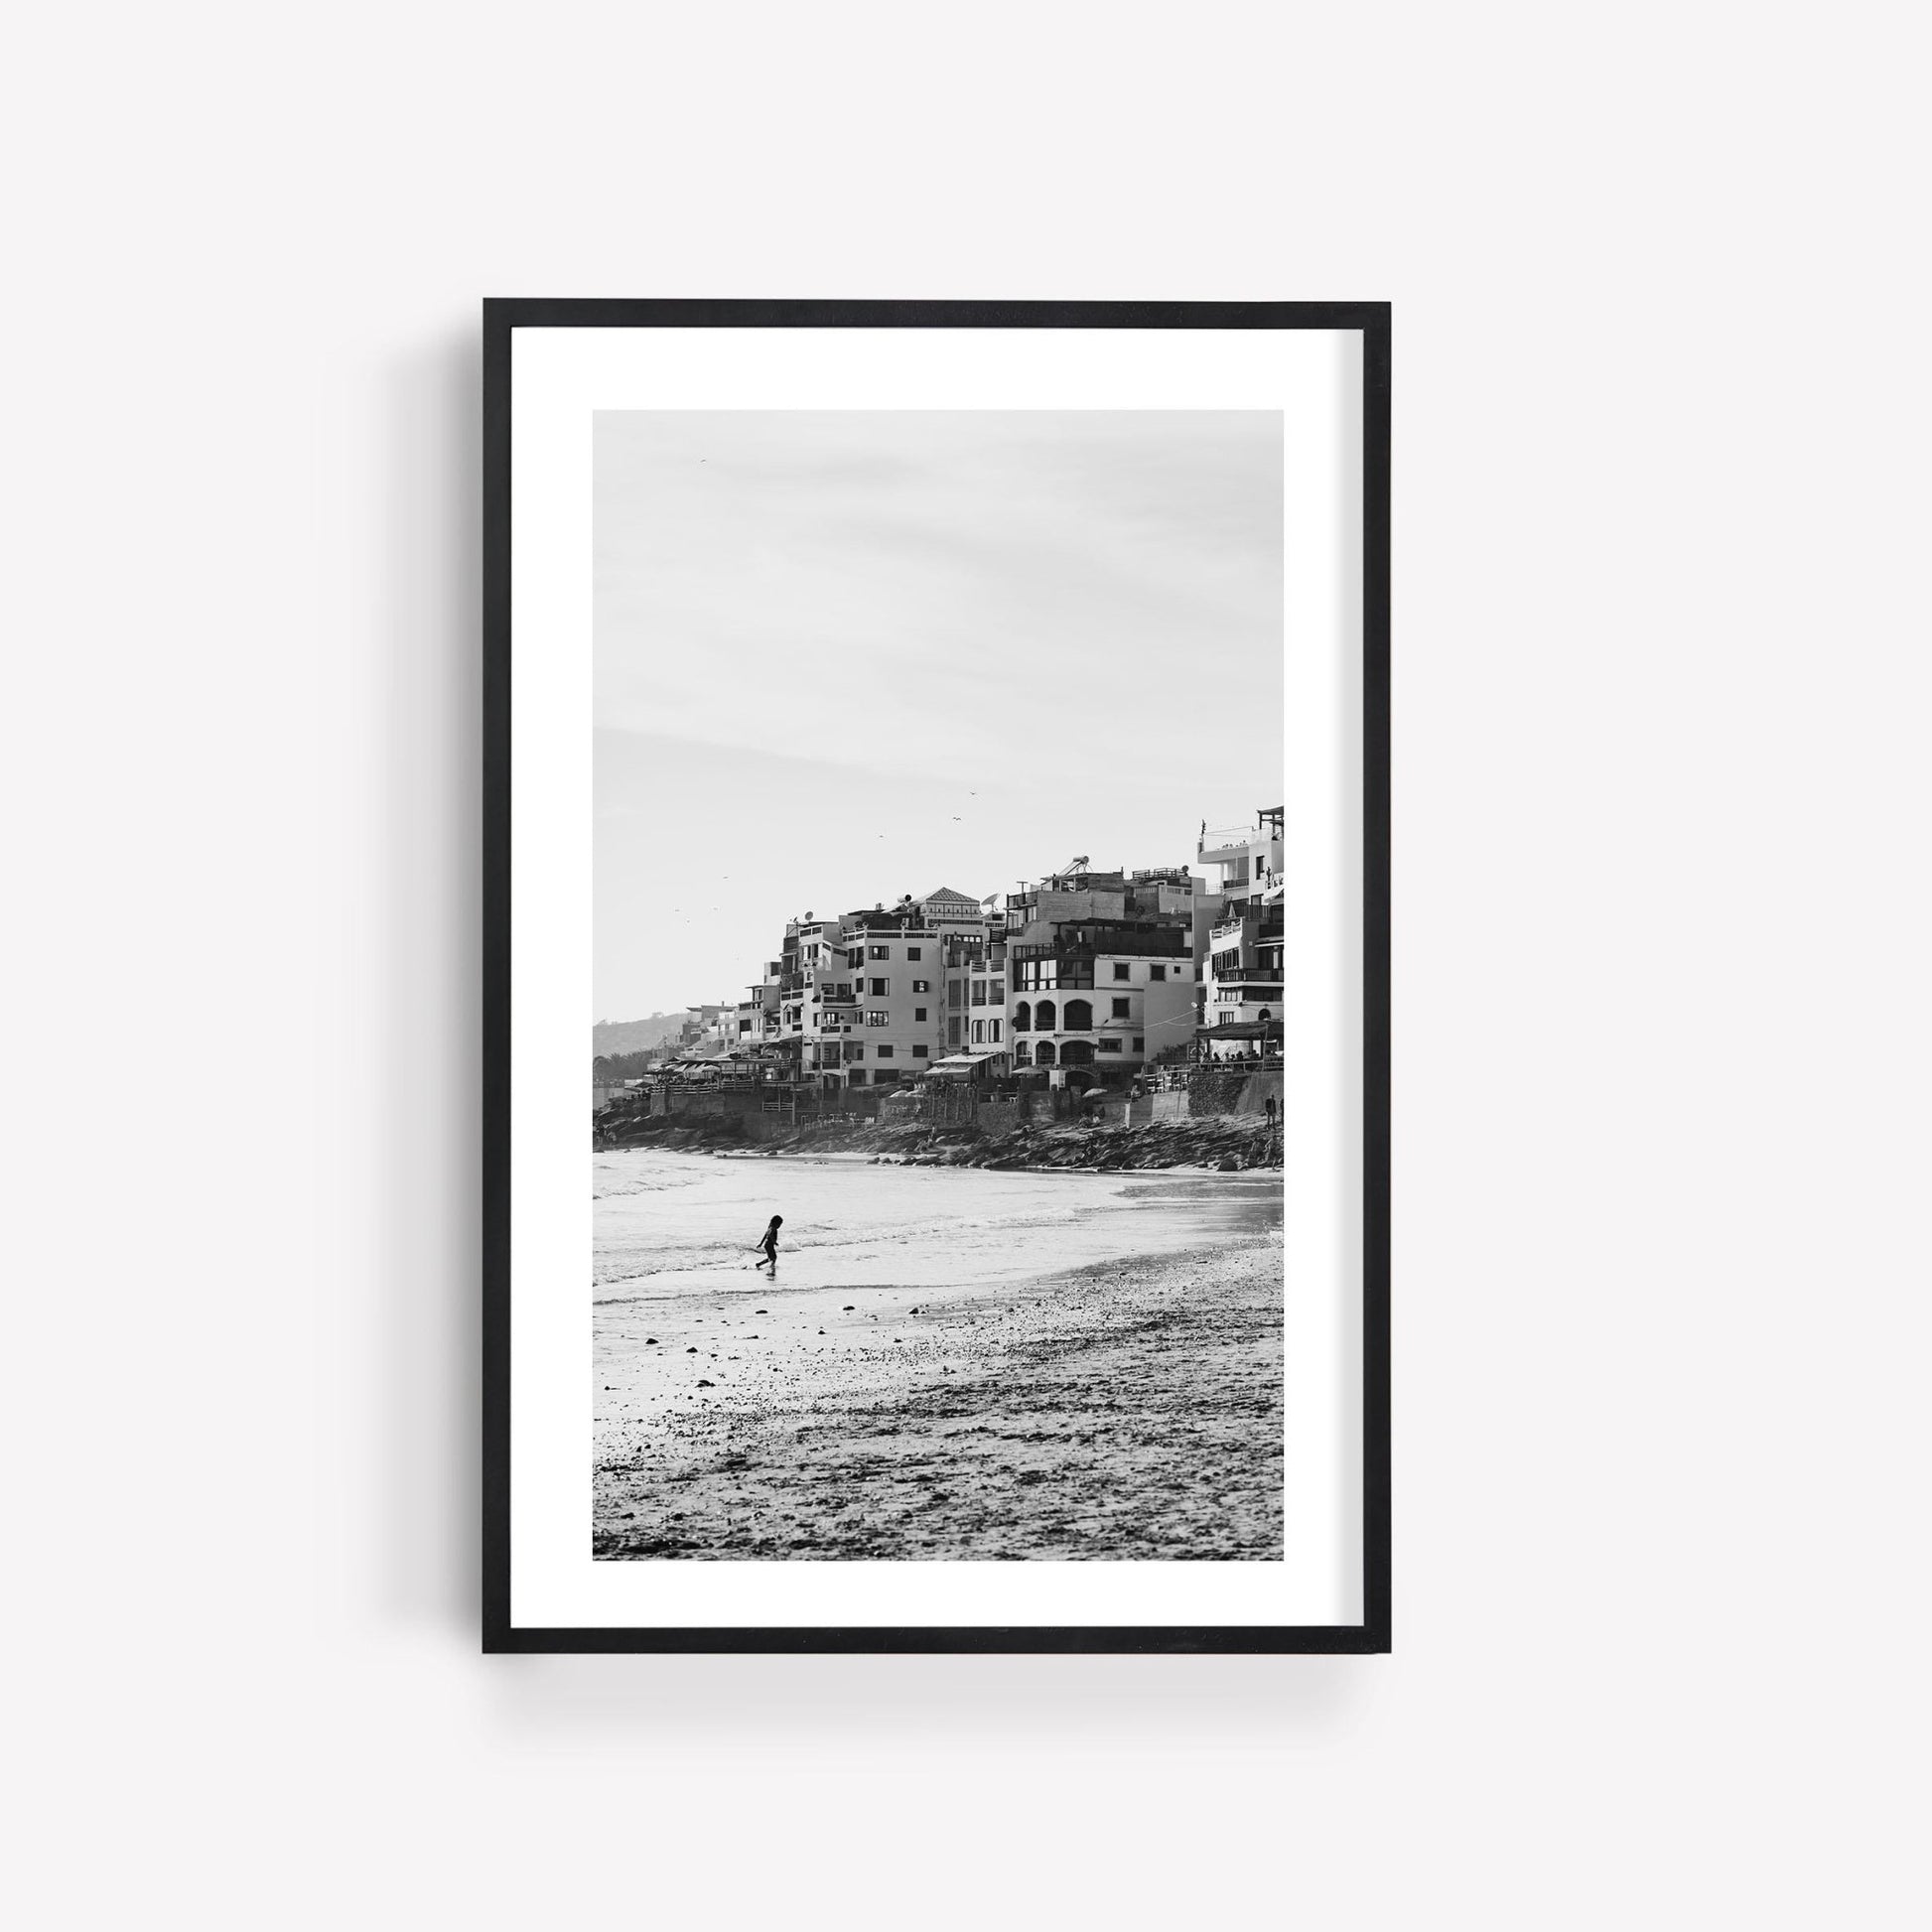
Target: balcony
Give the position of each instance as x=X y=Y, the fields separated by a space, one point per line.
x=1251 y=976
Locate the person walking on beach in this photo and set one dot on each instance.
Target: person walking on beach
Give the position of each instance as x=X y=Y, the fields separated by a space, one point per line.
x=769 y=1247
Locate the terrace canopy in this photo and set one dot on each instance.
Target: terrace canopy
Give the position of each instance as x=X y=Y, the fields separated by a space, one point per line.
x=962 y=1067
x=1241 y=1029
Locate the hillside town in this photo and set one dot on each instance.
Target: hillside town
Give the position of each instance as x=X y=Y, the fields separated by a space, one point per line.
x=1085 y=983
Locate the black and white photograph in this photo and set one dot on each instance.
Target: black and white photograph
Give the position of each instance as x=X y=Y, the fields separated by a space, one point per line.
x=935 y=1138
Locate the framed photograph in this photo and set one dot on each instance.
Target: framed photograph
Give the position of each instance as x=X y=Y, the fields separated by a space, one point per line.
x=936 y=782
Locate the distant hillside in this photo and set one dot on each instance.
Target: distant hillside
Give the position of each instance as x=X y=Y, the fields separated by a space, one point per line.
x=633 y=1036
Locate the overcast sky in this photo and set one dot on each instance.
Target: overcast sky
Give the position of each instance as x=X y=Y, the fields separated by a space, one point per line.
x=844 y=656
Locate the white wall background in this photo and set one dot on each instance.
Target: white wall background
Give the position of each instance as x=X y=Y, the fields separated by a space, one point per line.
x=1662 y=1261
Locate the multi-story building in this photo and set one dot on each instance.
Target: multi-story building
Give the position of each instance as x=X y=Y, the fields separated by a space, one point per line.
x=1244 y=860
x=893 y=960
x=975 y=966
x=1101 y=972
x=860 y=995
x=1241 y=994
x=760 y=1018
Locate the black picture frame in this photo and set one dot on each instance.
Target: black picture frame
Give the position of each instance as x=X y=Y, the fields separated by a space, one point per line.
x=501 y=318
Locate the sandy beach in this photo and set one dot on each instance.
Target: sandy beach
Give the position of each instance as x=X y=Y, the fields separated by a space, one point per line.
x=1129 y=1408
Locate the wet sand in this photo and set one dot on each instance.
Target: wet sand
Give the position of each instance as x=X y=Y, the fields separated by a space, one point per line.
x=1127 y=1409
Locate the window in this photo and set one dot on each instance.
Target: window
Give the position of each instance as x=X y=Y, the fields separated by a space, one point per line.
x=1120 y=1008
x=855 y=1049
x=1109 y=1045
x=1076 y=1017
x=919 y=1013
x=885 y=1053
x=954 y=993
x=999 y=993
x=1140 y=1043
x=979 y=1032
x=879 y=988
x=1043 y=1053
x=1023 y=1054
x=979 y=993
x=1045 y=1016
x=919 y=1053
x=993 y=1036
x=1157 y=971
x=878 y=1017
x=1023 y=1018
x=921 y=986
x=952 y=1032
x=855 y=957
x=912 y=952
x=1122 y=970
x=878 y=952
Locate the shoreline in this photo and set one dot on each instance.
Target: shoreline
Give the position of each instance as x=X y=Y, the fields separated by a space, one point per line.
x=1214 y=1143
x=1118 y=1410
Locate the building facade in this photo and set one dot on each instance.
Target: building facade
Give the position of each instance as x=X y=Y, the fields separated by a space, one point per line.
x=1102 y=970
x=1241 y=1007
x=1087 y=975
x=858 y=999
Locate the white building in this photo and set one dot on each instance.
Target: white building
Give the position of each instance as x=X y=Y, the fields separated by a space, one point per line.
x=1241 y=1006
x=1102 y=971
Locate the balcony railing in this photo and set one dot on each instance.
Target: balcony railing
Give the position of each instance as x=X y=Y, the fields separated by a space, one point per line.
x=1250 y=976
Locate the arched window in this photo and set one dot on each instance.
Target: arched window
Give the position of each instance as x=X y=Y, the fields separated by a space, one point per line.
x=1078 y=1017
x=1043 y=1017
x=1023 y=1054
x=1266 y=1015
x=1023 y=1018
x=1043 y=1053
x=1077 y=1052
